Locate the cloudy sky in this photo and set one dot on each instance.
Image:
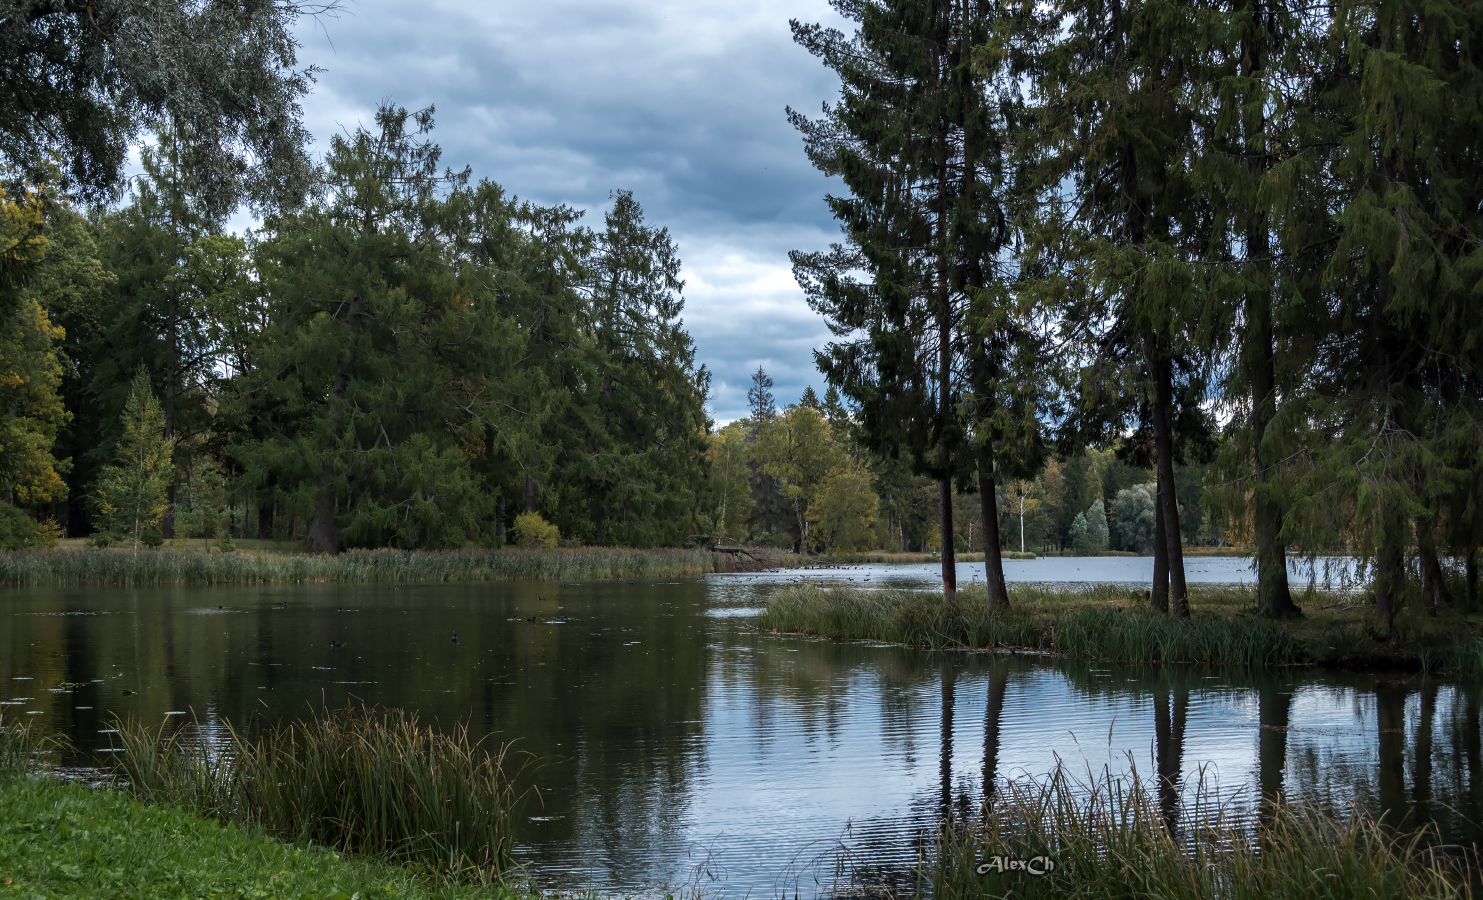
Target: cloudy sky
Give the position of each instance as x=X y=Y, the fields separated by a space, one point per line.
x=680 y=101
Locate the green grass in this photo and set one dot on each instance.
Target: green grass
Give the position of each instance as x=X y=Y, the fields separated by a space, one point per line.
x=1112 y=622
x=165 y=565
x=365 y=781
x=1112 y=840
x=66 y=841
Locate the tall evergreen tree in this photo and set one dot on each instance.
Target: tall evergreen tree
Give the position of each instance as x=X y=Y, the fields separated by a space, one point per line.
x=130 y=494
x=382 y=369
x=1109 y=147
x=916 y=142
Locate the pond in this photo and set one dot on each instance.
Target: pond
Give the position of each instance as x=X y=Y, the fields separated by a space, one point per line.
x=679 y=746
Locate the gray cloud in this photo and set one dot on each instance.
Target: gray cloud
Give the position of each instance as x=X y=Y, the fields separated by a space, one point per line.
x=680 y=102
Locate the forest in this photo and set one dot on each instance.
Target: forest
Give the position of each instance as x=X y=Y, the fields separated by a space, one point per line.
x=1112 y=276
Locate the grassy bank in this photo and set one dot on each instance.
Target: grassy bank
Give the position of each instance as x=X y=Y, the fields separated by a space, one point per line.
x=426 y=815
x=1112 y=622
x=1115 y=840
x=75 y=568
x=366 y=781
x=66 y=841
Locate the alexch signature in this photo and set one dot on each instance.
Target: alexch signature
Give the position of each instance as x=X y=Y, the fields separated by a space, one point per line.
x=1035 y=865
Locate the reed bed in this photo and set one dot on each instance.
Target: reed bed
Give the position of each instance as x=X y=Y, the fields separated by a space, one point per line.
x=165 y=566
x=1114 y=839
x=24 y=747
x=1074 y=622
x=363 y=781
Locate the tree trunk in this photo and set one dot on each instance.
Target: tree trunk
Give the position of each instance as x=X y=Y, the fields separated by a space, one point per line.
x=265 y=521
x=802 y=547
x=499 y=521
x=1159 y=596
x=1433 y=582
x=949 y=558
x=1163 y=440
x=1390 y=570
x=530 y=494
x=993 y=561
x=1274 y=596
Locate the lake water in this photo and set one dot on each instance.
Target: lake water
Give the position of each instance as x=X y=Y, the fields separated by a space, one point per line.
x=679 y=746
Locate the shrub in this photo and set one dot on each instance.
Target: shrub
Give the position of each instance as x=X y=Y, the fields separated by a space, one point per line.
x=151 y=537
x=17 y=530
x=532 y=531
x=48 y=533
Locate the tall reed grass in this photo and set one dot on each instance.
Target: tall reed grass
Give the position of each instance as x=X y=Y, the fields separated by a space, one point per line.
x=74 y=568
x=1074 y=622
x=366 y=780
x=1113 y=839
x=1466 y=656
x=24 y=747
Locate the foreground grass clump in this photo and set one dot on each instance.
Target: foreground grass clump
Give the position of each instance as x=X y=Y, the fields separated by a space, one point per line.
x=1112 y=622
x=74 y=568
x=1114 y=840
x=364 y=781
x=66 y=841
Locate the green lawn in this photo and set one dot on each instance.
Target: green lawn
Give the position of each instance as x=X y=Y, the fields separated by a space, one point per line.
x=66 y=841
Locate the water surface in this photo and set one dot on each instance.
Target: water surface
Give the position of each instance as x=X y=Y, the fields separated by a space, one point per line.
x=680 y=746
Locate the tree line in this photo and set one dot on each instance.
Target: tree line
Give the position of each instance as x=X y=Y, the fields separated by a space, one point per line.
x=1243 y=233
x=408 y=358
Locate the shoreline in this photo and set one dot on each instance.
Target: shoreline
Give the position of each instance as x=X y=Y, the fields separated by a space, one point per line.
x=1111 y=622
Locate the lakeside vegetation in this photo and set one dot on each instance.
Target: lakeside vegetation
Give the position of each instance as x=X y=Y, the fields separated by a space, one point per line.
x=354 y=803
x=365 y=781
x=56 y=568
x=1116 y=839
x=68 y=842
x=1113 y=622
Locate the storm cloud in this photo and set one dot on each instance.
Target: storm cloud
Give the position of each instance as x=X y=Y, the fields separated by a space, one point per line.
x=680 y=102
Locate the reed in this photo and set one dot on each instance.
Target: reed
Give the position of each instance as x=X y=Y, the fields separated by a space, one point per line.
x=76 y=568
x=24 y=747
x=1113 y=839
x=1081 y=622
x=1147 y=637
x=365 y=781
x=1466 y=656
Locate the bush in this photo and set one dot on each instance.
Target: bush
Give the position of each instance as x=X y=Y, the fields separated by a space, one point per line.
x=151 y=537
x=17 y=531
x=532 y=531
x=48 y=533
x=103 y=539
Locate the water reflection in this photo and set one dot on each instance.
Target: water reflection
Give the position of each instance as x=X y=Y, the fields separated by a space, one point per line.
x=676 y=742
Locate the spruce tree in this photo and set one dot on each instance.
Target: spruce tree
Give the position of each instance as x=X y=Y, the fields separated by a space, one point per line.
x=918 y=143
x=1116 y=232
x=130 y=494
x=383 y=368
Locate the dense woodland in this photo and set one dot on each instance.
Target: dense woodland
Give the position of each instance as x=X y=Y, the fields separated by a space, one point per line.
x=1132 y=274
x=1245 y=233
